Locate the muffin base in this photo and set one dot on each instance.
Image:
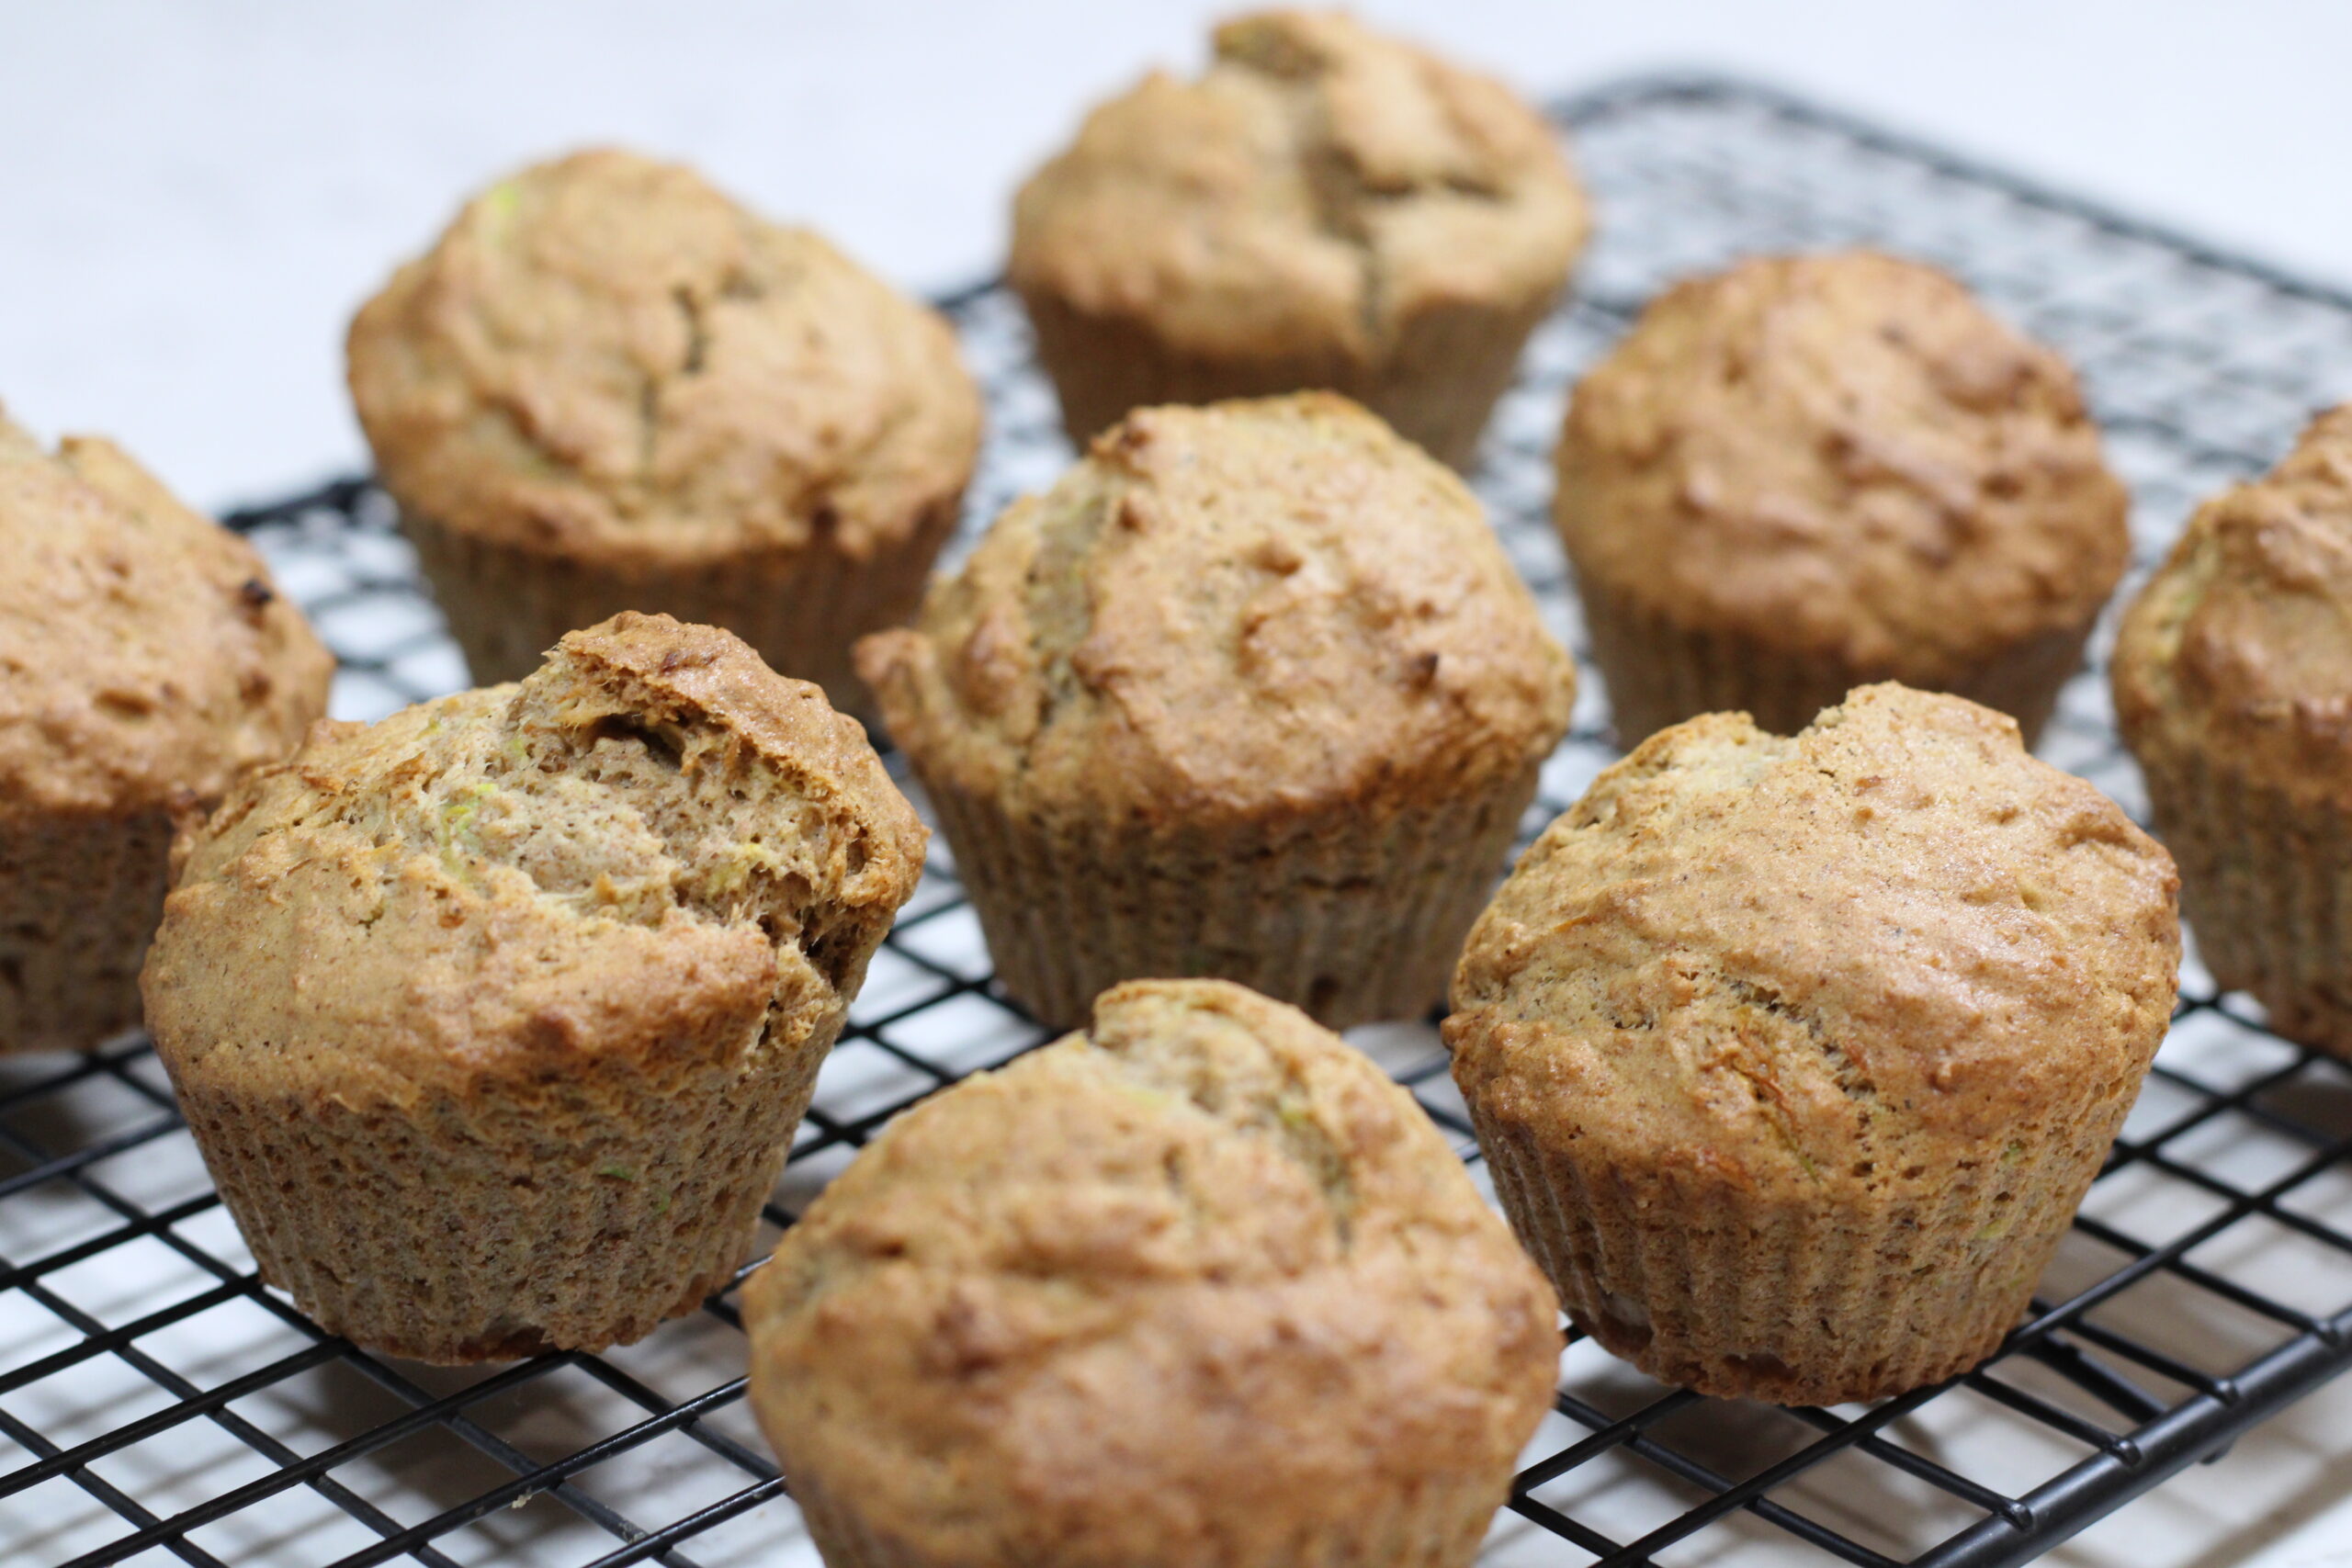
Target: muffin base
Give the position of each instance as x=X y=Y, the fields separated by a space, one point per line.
x=801 y=610
x=1440 y=1526
x=1791 y=1299
x=1436 y=386
x=2266 y=884
x=1348 y=920
x=565 y=1216
x=80 y=899
x=1660 y=673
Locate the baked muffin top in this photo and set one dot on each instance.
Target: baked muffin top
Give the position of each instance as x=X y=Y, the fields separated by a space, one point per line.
x=604 y=354
x=1206 y=1208
x=1319 y=185
x=2241 y=644
x=1245 y=611
x=1842 y=456
x=653 y=850
x=144 y=655
x=1832 y=962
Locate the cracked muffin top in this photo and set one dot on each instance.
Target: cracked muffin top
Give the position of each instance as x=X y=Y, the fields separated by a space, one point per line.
x=604 y=354
x=1242 y=611
x=653 y=850
x=1844 y=455
x=1805 y=961
x=144 y=654
x=1319 y=183
x=1205 y=1207
x=2241 y=644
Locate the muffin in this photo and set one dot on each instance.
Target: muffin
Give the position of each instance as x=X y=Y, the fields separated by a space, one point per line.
x=1812 y=472
x=2233 y=688
x=493 y=1019
x=1324 y=207
x=1251 y=693
x=609 y=388
x=145 y=659
x=1793 y=1058
x=1198 y=1285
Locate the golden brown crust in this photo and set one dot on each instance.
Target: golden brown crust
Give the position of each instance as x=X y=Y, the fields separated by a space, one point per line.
x=144 y=654
x=604 y=357
x=1774 y=958
x=2239 y=648
x=1794 y=1057
x=636 y=852
x=1842 y=457
x=1301 y=214
x=1205 y=1208
x=1257 y=611
x=1318 y=185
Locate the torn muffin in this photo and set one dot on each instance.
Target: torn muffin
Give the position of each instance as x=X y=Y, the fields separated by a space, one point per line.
x=493 y=1020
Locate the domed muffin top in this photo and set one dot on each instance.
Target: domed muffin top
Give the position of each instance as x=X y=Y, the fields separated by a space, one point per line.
x=1844 y=455
x=603 y=354
x=1319 y=185
x=1815 y=961
x=1204 y=1208
x=144 y=654
x=2241 y=644
x=1245 y=611
x=653 y=848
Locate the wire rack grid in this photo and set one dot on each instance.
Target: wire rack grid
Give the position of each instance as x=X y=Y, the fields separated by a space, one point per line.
x=157 y=1404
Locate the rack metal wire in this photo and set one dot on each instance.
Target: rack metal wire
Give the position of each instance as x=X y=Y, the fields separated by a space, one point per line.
x=158 y=1404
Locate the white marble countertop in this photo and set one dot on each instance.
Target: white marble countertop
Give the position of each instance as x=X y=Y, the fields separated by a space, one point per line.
x=198 y=195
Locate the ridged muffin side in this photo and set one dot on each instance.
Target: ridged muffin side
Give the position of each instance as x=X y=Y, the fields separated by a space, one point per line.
x=1204 y=1208
x=1793 y=1058
x=607 y=386
x=1251 y=693
x=1809 y=473
x=493 y=1020
x=145 y=660
x=2233 y=677
x=1324 y=208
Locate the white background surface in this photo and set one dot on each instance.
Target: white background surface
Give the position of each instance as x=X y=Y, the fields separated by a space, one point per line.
x=196 y=196
x=197 y=193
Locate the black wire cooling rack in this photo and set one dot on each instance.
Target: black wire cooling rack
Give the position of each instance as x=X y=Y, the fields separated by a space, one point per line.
x=157 y=1404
